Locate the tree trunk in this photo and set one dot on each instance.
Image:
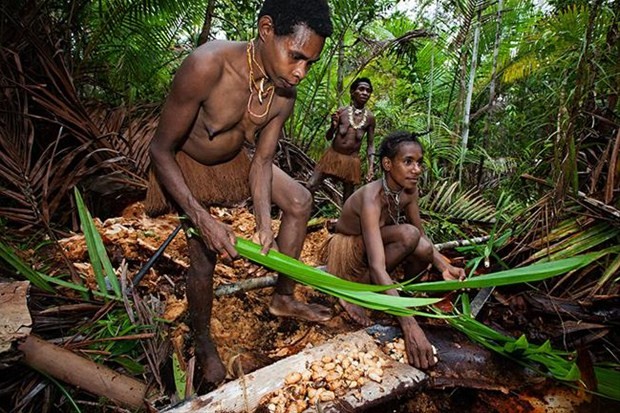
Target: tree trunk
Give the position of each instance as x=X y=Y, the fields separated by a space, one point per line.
x=470 y=90
x=206 y=26
x=491 y=103
x=340 y=73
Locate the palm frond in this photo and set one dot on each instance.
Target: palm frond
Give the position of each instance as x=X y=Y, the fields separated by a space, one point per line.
x=367 y=295
x=448 y=200
x=558 y=364
x=25 y=270
x=531 y=273
x=96 y=250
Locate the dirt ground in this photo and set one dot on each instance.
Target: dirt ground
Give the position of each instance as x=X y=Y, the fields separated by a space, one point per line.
x=242 y=326
x=246 y=334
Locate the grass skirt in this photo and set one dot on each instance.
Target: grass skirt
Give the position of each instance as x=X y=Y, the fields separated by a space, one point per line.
x=346 y=167
x=225 y=184
x=345 y=256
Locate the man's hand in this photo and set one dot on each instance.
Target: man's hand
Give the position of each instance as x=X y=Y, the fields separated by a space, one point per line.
x=217 y=237
x=370 y=176
x=265 y=238
x=335 y=119
x=333 y=127
x=453 y=273
x=420 y=352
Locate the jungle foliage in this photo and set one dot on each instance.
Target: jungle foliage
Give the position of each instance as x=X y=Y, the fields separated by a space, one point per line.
x=519 y=98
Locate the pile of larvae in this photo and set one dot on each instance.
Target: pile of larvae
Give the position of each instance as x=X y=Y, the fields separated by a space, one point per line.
x=329 y=378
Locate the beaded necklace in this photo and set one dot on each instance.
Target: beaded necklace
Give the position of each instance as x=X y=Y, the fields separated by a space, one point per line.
x=395 y=197
x=258 y=89
x=357 y=111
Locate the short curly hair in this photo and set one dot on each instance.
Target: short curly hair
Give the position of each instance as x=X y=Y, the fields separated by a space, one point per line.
x=287 y=14
x=389 y=145
x=359 y=80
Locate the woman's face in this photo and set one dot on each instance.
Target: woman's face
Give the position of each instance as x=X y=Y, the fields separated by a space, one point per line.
x=406 y=166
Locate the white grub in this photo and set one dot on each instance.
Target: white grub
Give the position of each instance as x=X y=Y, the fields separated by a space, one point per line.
x=329 y=366
x=319 y=374
x=375 y=377
x=335 y=385
x=311 y=392
x=306 y=375
x=327 y=378
x=327 y=396
x=301 y=405
x=332 y=376
x=293 y=378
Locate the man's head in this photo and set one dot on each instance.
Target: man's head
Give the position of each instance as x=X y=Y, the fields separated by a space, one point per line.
x=292 y=35
x=360 y=89
x=286 y=14
x=356 y=84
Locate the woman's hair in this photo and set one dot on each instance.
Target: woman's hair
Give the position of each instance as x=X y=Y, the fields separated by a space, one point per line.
x=287 y=14
x=359 y=80
x=389 y=145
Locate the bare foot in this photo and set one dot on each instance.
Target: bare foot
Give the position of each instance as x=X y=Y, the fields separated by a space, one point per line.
x=287 y=306
x=212 y=367
x=357 y=313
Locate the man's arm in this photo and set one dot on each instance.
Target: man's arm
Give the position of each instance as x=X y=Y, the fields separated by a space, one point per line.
x=448 y=271
x=178 y=115
x=261 y=175
x=370 y=148
x=333 y=126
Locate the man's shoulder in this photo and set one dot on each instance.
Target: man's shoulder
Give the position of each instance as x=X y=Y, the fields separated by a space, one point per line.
x=214 y=55
x=220 y=48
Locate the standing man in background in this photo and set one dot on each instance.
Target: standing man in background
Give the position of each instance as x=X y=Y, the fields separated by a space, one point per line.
x=348 y=127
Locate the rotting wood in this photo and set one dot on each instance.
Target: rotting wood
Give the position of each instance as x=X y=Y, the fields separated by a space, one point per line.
x=246 y=285
x=80 y=372
x=399 y=379
x=462 y=242
x=463 y=363
x=15 y=320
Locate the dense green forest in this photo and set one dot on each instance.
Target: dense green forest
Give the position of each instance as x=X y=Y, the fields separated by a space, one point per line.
x=517 y=101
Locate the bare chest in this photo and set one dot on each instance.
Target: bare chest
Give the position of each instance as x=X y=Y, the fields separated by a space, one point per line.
x=224 y=124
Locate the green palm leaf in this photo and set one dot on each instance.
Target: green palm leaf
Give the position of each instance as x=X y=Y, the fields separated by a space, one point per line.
x=357 y=293
x=32 y=275
x=559 y=364
x=534 y=272
x=96 y=250
x=366 y=295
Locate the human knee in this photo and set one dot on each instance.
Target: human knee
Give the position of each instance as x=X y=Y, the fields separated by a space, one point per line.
x=299 y=202
x=410 y=236
x=424 y=250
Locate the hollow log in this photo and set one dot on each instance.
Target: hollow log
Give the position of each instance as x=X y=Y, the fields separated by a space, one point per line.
x=245 y=394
